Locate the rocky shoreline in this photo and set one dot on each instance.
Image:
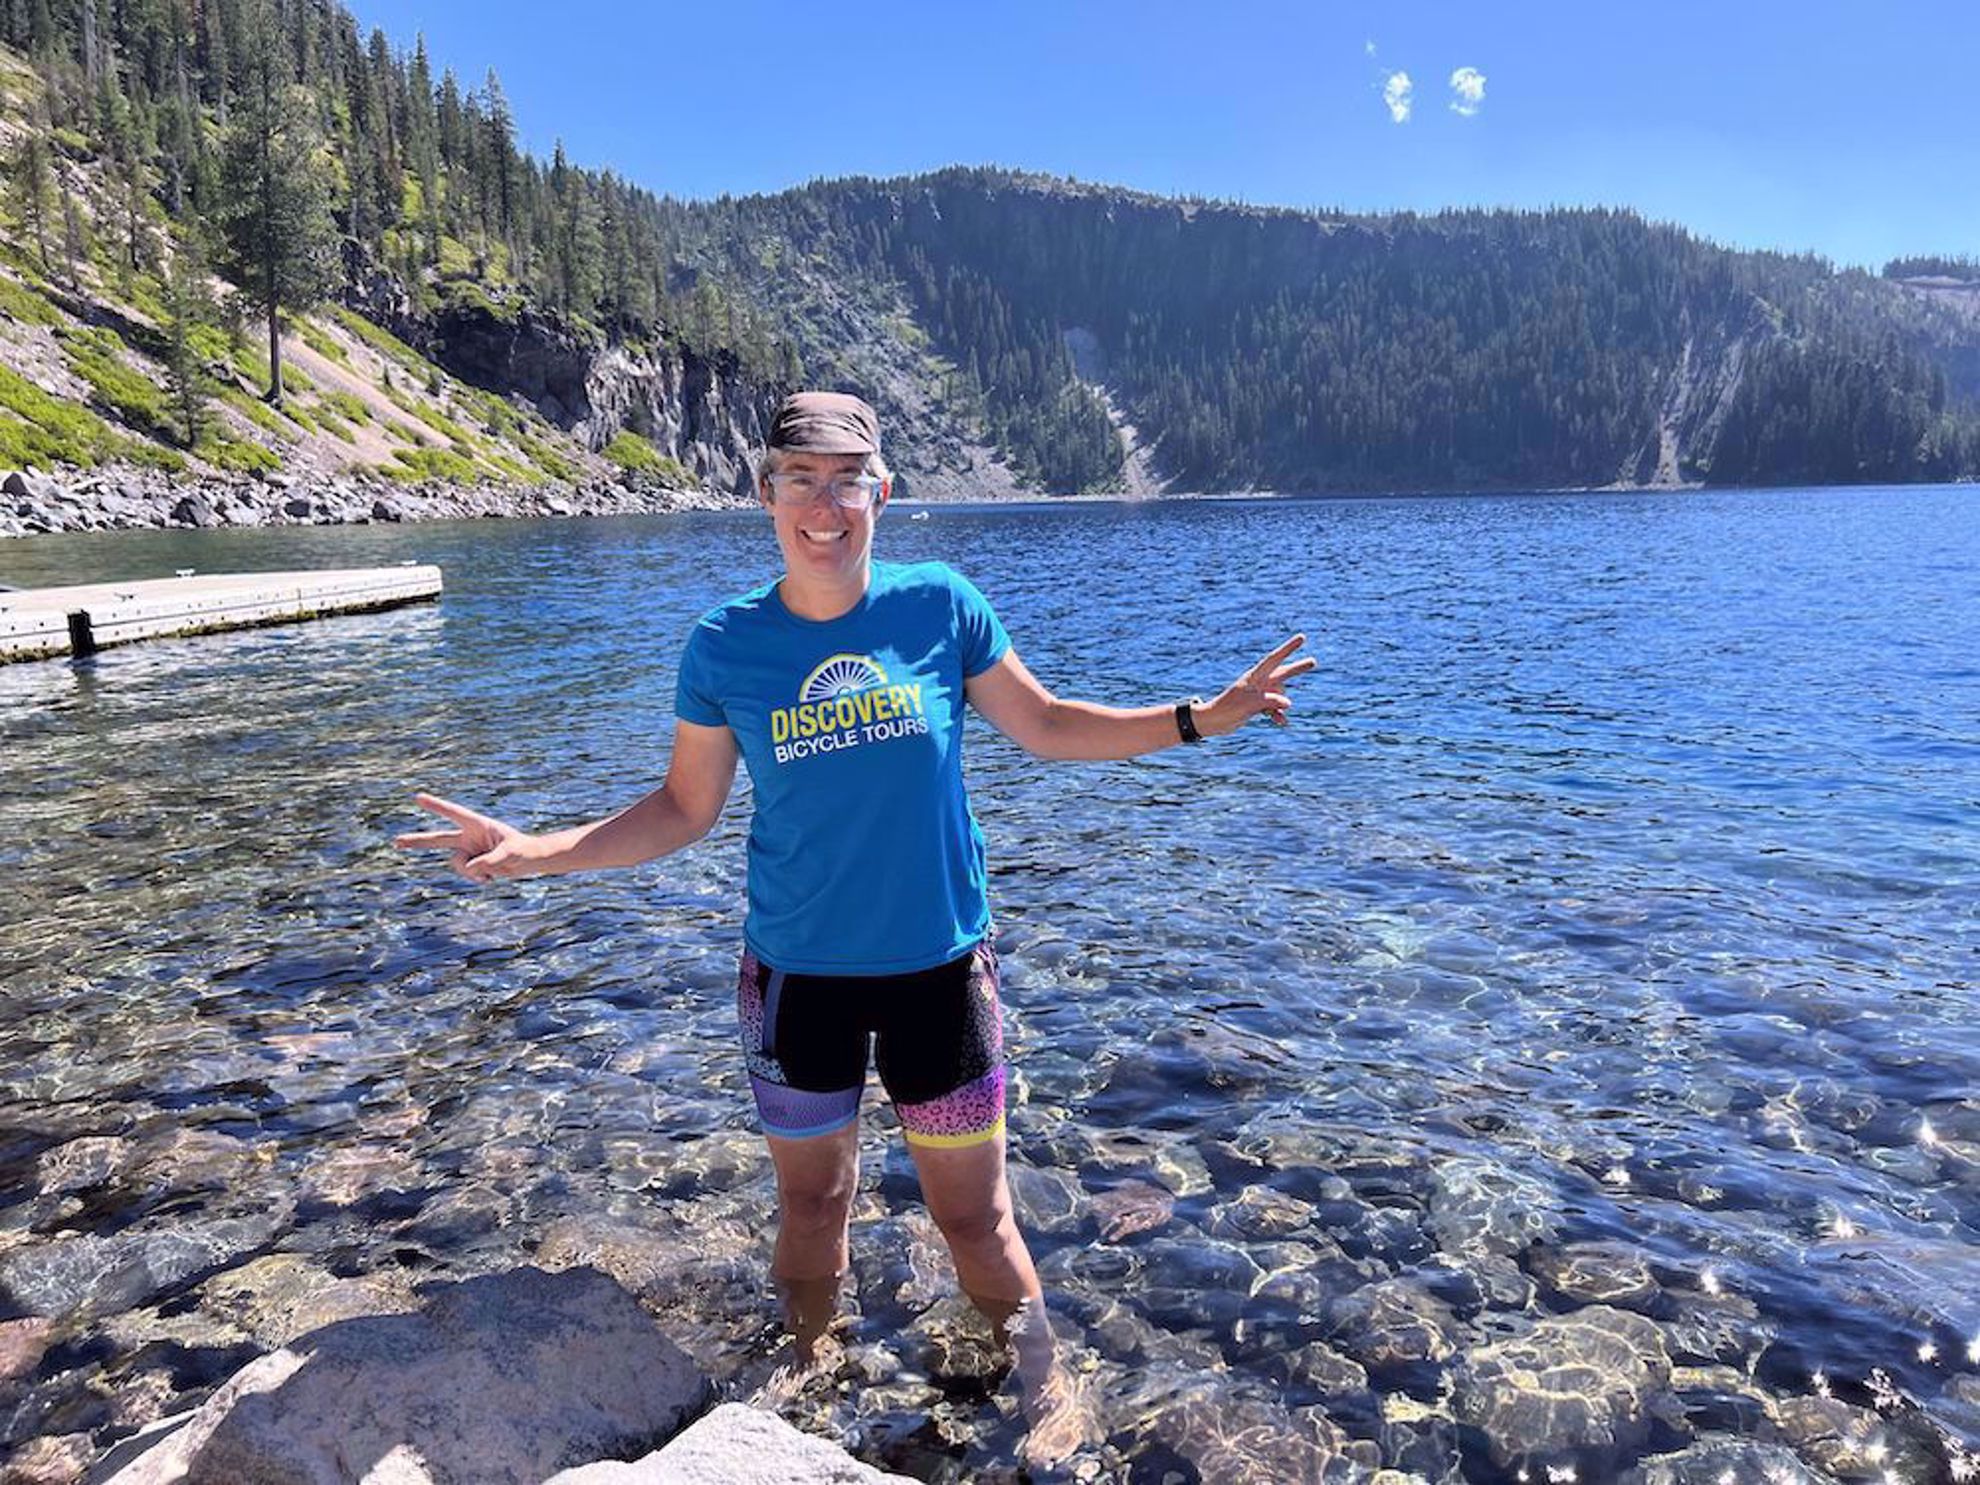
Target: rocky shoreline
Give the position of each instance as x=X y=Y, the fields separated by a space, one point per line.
x=126 y=499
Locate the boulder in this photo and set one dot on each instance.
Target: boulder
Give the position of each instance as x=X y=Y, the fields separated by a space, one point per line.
x=195 y=510
x=735 y=1445
x=28 y=485
x=500 y=1380
x=1583 y=1386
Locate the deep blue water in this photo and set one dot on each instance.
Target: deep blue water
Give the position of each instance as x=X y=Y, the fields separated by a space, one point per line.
x=1616 y=884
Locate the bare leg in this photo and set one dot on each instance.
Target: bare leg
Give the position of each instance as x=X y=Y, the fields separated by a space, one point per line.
x=816 y=1179
x=970 y=1201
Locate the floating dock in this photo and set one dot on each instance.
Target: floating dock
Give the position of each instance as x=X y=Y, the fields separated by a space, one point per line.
x=40 y=623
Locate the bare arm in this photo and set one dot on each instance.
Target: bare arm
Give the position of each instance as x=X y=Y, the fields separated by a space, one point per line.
x=1017 y=705
x=678 y=813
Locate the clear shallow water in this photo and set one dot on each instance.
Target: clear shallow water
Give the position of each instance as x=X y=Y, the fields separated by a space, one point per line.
x=1600 y=939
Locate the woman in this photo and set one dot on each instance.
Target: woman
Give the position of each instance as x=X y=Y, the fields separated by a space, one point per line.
x=841 y=685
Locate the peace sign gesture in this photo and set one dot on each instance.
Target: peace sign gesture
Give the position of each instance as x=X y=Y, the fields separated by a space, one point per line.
x=1260 y=691
x=484 y=848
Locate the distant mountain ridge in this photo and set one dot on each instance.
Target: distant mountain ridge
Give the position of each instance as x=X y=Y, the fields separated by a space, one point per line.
x=1260 y=348
x=1019 y=332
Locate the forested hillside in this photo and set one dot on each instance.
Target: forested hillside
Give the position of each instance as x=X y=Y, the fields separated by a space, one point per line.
x=183 y=174
x=1290 y=350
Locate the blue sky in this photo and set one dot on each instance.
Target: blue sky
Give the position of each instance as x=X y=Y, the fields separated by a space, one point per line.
x=1847 y=129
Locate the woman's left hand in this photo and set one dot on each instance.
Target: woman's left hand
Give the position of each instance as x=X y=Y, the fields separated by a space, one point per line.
x=1260 y=691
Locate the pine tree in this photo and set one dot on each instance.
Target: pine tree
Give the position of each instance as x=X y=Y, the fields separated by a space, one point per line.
x=186 y=308
x=280 y=241
x=34 y=188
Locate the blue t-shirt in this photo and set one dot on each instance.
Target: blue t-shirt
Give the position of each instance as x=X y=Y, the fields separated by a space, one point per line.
x=864 y=858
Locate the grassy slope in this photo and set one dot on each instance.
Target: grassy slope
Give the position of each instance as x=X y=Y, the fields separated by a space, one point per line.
x=83 y=381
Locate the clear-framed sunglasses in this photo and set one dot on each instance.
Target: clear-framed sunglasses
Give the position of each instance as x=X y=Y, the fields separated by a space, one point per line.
x=848 y=491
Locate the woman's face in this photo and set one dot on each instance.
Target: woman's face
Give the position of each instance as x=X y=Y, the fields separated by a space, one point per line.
x=822 y=540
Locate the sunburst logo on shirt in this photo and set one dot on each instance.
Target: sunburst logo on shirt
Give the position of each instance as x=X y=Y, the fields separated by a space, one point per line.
x=841 y=675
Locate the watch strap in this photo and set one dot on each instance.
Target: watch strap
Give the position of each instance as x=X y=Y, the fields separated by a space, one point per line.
x=1186 y=719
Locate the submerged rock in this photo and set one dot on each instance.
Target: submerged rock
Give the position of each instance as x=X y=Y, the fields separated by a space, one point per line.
x=83 y=1164
x=1597 y=1273
x=280 y=1296
x=22 y=1343
x=54 y=1459
x=1131 y=1207
x=1481 y=1206
x=1258 y=1213
x=90 y=1274
x=1396 y=1323
x=1724 y=1462
x=1856 y=1443
x=1231 y=1439
x=1582 y=1386
x=1046 y=1200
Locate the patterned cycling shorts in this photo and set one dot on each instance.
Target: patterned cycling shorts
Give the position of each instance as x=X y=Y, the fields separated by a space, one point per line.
x=937 y=1036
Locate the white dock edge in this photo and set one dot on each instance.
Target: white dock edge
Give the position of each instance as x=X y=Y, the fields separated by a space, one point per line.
x=37 y=623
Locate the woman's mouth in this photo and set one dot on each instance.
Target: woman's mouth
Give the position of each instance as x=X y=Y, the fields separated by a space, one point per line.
x=822 y=537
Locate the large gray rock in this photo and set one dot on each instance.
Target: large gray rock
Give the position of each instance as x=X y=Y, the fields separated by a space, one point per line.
x=735 y=1445
x=28 y=485
x=495 y=1381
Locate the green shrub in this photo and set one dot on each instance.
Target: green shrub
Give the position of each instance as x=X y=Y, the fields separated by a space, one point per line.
x=97 y=357
x=322 y=342
x=439 y=422
x=637 y=456
x=383 y=341
x=348 y=406
x=463 y=295
x=253 y=409
x=553 y=464
x=328 y=422
x=631 y=452
x=141 y=451
x=210 y=344
x=43 y=430
x=497 y=416
x=519 y=472
x=436 y=464
x=24 y=305
x=242 y=456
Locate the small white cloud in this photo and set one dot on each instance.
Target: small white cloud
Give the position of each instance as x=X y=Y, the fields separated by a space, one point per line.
x=1395 y=93
x=1369 y=47
x=1467 y=91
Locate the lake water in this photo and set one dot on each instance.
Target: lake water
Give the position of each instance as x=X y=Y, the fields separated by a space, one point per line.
x=1589 y=969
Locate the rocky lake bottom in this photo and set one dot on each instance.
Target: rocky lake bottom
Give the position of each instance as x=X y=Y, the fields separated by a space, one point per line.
x=1551 y=1058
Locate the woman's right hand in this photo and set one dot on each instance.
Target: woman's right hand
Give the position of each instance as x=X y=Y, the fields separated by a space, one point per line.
x=483 y=847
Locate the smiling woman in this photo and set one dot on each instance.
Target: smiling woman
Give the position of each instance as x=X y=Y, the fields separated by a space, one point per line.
x=842 y=687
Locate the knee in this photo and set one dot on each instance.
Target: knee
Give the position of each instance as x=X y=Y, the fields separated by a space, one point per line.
x=975 y=1226
x=817 y=1209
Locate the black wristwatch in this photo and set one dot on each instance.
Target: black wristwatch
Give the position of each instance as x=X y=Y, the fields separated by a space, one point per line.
x=1186 y=719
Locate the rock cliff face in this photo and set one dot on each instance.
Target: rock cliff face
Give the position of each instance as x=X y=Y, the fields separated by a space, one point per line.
x=703 y=412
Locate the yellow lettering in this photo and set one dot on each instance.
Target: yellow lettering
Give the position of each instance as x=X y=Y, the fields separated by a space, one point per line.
x=780 y=724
